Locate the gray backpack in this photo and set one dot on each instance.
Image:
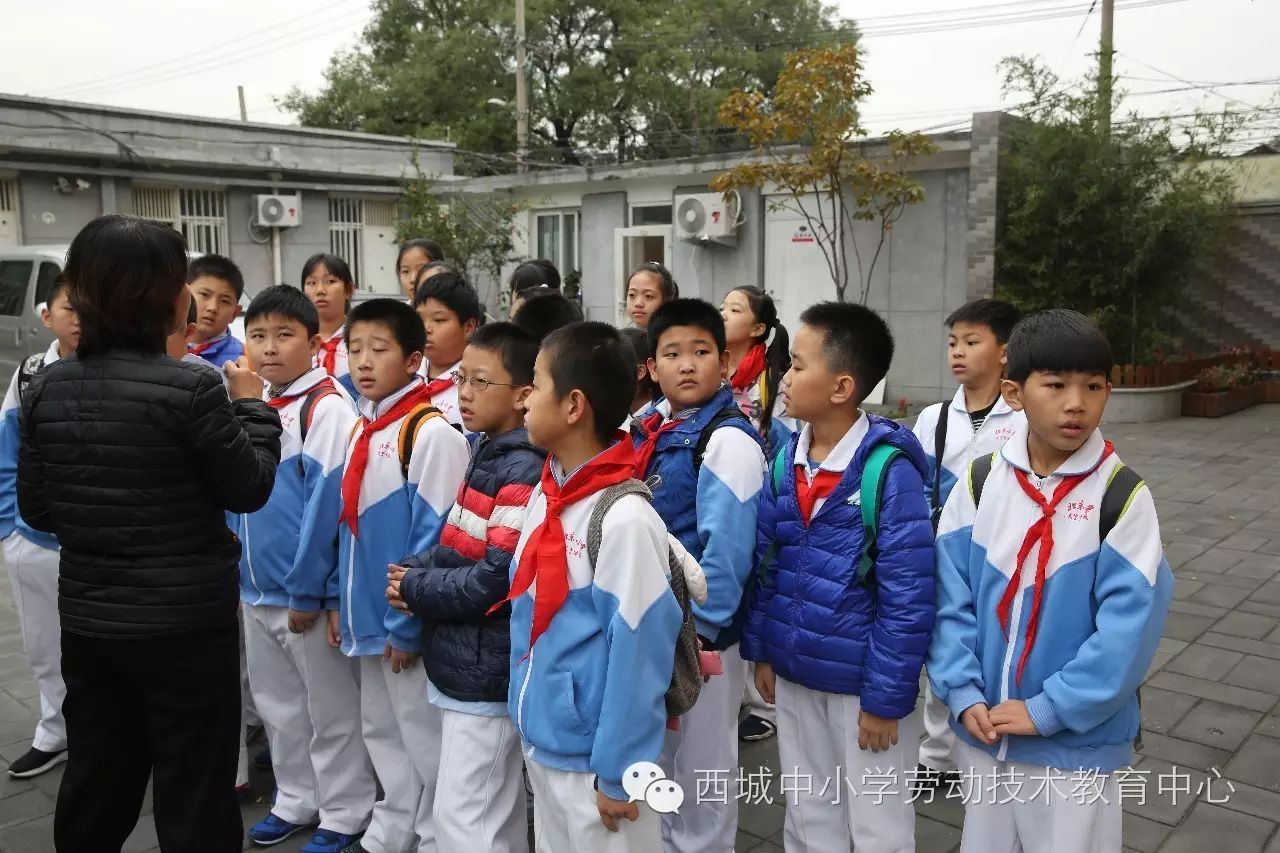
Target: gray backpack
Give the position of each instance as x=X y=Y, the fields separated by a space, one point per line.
x=686 y=672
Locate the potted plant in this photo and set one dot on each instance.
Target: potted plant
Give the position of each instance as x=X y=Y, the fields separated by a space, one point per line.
x=1222 y=389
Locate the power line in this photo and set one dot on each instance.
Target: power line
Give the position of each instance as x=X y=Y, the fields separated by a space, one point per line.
x=1210 y=89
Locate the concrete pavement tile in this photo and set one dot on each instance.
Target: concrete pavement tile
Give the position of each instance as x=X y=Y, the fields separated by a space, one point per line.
x=934 y=836
x=143 y=836
x=1268 y=593
x=1162 y=710
x=1256 y=673
x=1201 y=661
x=1256 y=762
x=1185 y=588
x=1184 y=626
x=1219 y=595
x=1191 y=608
x=1183 y=753
x=1169 y=791
x=1216 y=725
x=1248 y=625
x=761 y=820
x=1215 y=559
x=1209 y=827
x=1217 y=532
x=1227 y=694
x=1259 y=608
x=1248 y=799
x=1245 y=541
x=1143 y=835
x=34 y=836
x=23 y=807
x=1262 y=566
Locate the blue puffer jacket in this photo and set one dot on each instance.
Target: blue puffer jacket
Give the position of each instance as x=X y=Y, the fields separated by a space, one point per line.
x=813 y=621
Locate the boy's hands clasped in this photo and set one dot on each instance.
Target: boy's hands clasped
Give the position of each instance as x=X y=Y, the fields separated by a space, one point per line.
x=1008 y=718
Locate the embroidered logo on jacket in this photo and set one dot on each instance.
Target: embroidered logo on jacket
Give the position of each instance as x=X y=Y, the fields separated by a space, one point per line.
x=385 y=450
x=574 y=545
x=1079 y=510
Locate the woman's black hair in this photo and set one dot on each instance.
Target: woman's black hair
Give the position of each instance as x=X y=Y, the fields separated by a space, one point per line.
x=670 y=290
x=777 y=354
x=125 y=274
x=430 y=248
x=638 y=341
x=534 y=274
x=336 y=266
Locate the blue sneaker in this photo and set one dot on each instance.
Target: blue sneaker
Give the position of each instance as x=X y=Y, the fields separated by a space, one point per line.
x=328 y=841
x=272 y=830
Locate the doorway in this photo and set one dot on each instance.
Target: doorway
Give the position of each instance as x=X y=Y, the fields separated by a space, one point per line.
x=631 y=248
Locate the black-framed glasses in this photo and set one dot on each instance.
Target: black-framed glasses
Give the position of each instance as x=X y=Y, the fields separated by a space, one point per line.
x=477 y=383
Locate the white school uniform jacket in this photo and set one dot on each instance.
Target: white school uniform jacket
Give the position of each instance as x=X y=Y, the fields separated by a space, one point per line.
x=10 y=411
x=289 y=553
x=1103 y=605
x=447 y=400
x=397 y=517
x=589 y=696
x=341 y=363
x=963 y=444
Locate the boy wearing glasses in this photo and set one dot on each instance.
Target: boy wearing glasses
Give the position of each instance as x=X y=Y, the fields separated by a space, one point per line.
x=452 y=587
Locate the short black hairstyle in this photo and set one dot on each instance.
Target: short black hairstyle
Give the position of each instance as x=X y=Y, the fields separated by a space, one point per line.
x=516 y=347
x=686 y=312
x=534 y=274
x=1057 y=341
x=451 y=290
x=996 y=314
x=592 y=358
x=638 y=341
x=281 y=300
x=61 y=284
x=217 y=266
x=544 y=311
x=855 y=340
x=430 y=248
x=405 y=324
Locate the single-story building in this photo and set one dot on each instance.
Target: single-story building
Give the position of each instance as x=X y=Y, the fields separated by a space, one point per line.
x=62 y=164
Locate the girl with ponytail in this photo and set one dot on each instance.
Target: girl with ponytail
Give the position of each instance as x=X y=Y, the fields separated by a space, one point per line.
x=758 y=358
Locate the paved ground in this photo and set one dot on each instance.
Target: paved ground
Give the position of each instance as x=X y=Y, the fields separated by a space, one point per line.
x=1212 y=700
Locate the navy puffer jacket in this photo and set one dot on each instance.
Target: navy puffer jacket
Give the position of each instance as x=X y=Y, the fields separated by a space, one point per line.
x=452 y=585
x=812 y=620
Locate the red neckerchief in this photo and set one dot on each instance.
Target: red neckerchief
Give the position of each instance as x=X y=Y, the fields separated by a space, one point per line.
x=653 y=428
x=749 y=369
x=808 y=493
x=353 y=476
x=283 y=400
x=198 y=349
x=329 y=361
x=544 y=558
x=440 y=383
x=1041 y=531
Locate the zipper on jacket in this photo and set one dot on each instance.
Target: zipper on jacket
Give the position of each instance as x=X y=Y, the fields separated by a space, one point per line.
x=351 y=579
x=248 y=559
x=1006 y=668
x=524 y=688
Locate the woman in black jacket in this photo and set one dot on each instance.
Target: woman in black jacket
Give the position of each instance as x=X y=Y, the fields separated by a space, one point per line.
x=131 y=458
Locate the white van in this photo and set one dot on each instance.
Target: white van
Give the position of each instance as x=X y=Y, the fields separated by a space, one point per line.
x=26 y=274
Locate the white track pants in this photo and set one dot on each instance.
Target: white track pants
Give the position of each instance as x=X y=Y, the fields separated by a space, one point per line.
x=567 y=820
x=402 y=734
x=306 y=693
x=706 y=742
x=752 y=699
x=34 y=572
x=480 y=798
x=1049 y=820
x=937 y=749
x=818 y=746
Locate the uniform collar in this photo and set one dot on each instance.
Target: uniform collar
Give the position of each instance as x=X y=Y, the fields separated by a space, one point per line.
x=303 y=383
x=958 y=403
x=371 y=410
x=841 y=455
x=51 y=355
x=426 y=365
x=1084 y=460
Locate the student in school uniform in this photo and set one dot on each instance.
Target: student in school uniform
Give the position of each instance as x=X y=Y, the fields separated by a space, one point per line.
x=450 y=310
x=216 y=285
x=328 y=283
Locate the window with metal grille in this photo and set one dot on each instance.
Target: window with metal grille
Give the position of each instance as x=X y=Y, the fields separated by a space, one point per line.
x=346 y=225
x=199 y=214
x=557 y=239
x=8 y=196
x=360 y=233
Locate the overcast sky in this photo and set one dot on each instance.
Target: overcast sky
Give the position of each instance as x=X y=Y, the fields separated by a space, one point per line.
x=189 y=58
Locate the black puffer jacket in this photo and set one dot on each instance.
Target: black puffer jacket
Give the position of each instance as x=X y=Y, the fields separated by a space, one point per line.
x=131 y=459
x=452 y=585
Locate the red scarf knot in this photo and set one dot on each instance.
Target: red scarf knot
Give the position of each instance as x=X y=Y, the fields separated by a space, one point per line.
x=653 y=429
x=329 y=360
x=544 y=559
x=749 y=369
x=1040 y=531
x=440 y=383
x=353 y=476
x=808 y=493
x=282 y=400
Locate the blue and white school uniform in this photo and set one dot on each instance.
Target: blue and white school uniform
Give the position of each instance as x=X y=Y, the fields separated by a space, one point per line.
x=219 y=349
x=1103 y=606
x=32 y=559
x=304 y=691
x=588 y=698
x=341 y=372
x=964 y=444
x=446 y=400
x=397 y=517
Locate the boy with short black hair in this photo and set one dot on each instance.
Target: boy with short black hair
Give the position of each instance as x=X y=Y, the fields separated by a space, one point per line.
x=707 y=462
x=590 y=642
x=305 y=691
x=541 y=311
x=840 y=621
x=216 y=287
x=404 y=465
x=32 y=556
x=454 y=585
x=450 y=310
x=975 y=422
x=1053 y=590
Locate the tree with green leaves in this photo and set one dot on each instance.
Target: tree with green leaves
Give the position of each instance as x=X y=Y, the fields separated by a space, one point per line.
x=608 y=80
x=811 y=147
x=1119 y=226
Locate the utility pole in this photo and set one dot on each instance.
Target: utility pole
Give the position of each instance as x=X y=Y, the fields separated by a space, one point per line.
x=1106 y=53
x=244 y=115
x=522 y=93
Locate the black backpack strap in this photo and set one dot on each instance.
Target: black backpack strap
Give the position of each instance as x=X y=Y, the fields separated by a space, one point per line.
x=1121 y=488
x=27 y=370
x=979 y=470
x=939 y=448
x=729 y=413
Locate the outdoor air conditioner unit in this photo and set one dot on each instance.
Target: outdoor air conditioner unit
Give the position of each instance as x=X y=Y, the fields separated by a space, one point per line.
x=702 y=217
x=277 y=211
